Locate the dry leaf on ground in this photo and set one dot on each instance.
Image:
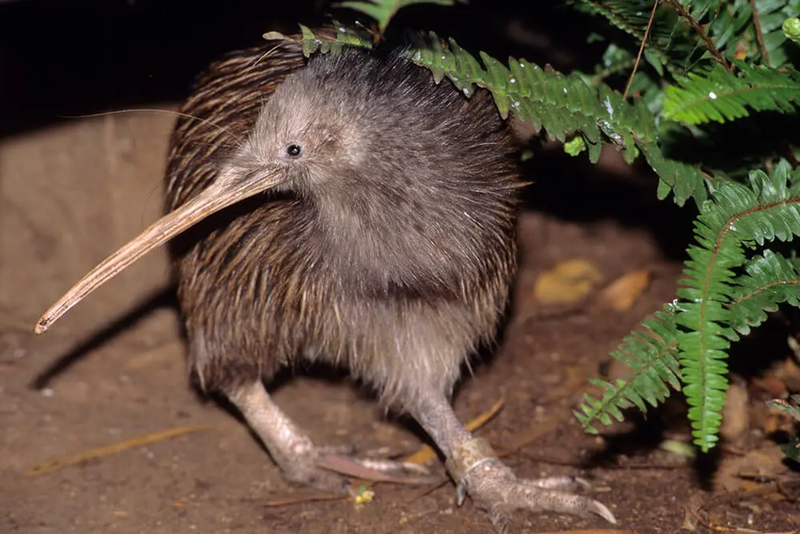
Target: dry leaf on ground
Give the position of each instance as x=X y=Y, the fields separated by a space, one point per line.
x=623 y=292
x=766 y=461
x=567 y=282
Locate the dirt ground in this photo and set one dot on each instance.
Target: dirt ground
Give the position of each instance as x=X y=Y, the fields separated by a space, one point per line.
x=113 y=370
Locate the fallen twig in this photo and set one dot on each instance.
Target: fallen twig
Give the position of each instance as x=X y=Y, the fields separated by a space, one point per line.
x=59 y=463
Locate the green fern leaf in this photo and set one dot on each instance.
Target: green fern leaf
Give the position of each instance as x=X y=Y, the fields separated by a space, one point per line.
x=652 y=357
x=731 y=26
x=685 y=181
x=718 y=95
x=383 y=10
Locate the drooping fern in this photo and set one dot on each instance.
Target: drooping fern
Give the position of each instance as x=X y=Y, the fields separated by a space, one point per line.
x=672 y=46
x=746 y=30
x=714 y=302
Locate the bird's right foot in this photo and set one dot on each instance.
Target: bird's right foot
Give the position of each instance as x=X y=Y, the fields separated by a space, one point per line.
x=493 y=487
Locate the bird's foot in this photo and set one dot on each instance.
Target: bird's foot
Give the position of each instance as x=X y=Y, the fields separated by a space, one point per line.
x=493 y=487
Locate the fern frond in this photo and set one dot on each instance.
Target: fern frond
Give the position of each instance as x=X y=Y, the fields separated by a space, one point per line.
x=560 y=104
x=563 y=105
x=652 y=357
x=768 y=209
x=731 y=26
x=718 y=95
x=722 y=21
x=383 y=10
x=690 y=339
x=769 y=280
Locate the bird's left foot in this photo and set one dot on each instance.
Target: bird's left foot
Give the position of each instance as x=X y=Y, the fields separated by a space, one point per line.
x=493 y=487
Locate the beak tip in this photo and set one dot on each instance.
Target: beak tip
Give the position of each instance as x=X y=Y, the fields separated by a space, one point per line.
x=41 y=326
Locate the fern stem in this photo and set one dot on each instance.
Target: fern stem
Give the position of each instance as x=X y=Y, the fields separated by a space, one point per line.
x=761 y=290
x=763 y=207
x=641 y=49
x=703 y=35
x=759 y=34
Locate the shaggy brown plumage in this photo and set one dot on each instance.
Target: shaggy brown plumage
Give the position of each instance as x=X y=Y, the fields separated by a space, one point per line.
x=390 y=244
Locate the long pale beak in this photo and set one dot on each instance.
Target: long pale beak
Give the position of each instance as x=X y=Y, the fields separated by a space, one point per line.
x=228 y=189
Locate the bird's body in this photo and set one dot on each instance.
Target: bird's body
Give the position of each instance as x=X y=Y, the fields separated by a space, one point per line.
x=350 y=210
x=398 y=267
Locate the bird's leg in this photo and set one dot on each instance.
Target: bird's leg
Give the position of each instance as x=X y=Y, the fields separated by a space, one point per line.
x=491 y=485
x=297 y=456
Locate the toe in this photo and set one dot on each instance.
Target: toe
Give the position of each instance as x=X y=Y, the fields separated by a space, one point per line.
x=319 y=479
x=391 y=466
x=558 y=483
x=377 y=470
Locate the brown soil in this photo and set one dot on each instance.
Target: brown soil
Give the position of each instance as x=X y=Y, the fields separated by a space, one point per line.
x=113 y=369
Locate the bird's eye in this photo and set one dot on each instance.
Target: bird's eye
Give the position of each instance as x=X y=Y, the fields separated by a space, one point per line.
x=294 y=150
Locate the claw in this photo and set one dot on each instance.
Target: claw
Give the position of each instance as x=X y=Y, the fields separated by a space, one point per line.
x=601 y=510
x=461 y=494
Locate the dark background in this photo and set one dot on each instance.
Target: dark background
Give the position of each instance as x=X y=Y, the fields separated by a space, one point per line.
x=63 y=57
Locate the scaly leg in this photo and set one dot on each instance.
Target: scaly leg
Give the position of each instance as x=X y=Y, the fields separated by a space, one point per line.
x=492 y=486
x=297 y=456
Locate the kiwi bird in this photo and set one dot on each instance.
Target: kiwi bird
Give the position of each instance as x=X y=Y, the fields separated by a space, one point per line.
x=378 y=233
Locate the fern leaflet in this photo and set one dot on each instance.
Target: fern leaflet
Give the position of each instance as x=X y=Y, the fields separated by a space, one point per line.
x=769 y=280
x=718 y=95
x=652 y=357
